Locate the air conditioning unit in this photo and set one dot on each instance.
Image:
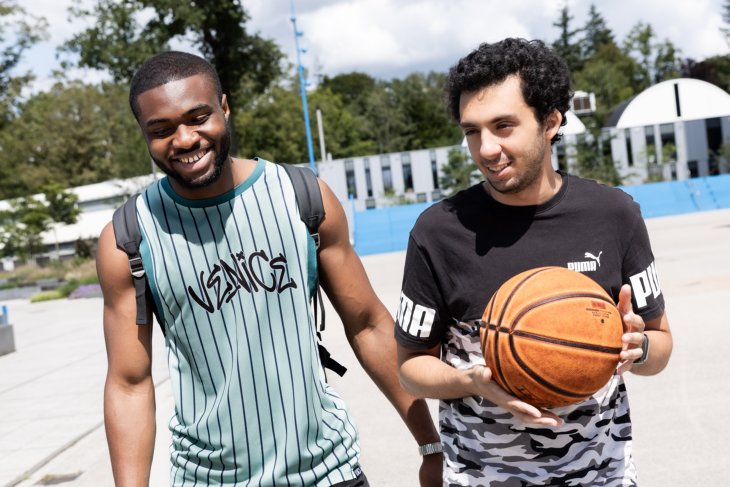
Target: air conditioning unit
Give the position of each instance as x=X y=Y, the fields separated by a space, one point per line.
x=583 y=103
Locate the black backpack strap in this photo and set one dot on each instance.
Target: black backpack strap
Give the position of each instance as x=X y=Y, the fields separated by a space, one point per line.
x=311 y=211
x=128 y=238
x=309 y=198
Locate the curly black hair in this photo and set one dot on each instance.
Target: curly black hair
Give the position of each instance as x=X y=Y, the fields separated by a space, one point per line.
x=166 y=67
x=544 y=76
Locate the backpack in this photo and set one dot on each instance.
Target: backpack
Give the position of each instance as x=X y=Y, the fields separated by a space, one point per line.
x=311 y=211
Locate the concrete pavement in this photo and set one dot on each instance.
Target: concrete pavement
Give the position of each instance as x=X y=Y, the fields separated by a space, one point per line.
x=51 y=428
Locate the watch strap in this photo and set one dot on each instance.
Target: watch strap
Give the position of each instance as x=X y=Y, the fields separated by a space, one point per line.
x=430 y=449
x=645 y=351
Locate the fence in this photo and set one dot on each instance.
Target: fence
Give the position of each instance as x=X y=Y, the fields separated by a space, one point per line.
x=386 y=229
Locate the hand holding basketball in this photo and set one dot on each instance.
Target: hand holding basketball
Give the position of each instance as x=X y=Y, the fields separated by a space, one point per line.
x=526 y=413
x=633 y=336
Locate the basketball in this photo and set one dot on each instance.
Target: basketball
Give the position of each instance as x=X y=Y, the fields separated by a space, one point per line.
x=551 y=336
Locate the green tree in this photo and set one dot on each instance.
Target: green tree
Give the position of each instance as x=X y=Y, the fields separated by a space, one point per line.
x=73 y=134
x=593 y=156
x=21 y=228
x=386 y=122
x=18 y=32
x=566 y=45
x=667 y=62
x=458 y=173
x=608 y=74
x=120 y=41
x=62 y=207
x=353 y=88
x=657 y=61
x=638 y=44
x=715 y=70
x=596 y=34
x=725 y=29
x=427 y=124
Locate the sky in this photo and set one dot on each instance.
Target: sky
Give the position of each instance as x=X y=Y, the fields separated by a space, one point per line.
x=393 y=38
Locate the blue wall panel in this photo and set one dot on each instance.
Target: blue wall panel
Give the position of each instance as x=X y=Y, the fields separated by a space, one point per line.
x=386 y=229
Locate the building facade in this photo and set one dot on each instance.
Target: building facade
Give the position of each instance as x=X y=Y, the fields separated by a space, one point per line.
x=672 y=130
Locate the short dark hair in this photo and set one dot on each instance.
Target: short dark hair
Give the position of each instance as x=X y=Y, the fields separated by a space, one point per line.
x=544 y=76
x=166 y=67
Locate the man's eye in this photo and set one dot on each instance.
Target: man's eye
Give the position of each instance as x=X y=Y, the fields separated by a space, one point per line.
x=163 y=132
x=200 y=119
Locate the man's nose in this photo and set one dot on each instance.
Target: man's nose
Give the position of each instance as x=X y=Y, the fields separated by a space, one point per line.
x=489 y=148
x=185 y=137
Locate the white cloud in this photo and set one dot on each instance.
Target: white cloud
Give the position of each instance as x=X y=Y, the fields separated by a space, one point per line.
x=389 y=38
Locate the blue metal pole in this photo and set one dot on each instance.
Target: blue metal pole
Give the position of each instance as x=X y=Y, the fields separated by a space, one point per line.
x=303 y=88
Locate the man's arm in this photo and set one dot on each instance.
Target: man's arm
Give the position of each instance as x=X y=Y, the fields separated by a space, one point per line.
x=369 y=327
x=129 y=395
x=423 y=374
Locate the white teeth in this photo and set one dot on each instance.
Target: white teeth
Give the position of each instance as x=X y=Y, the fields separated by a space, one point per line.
x=194 y=158
x=498 y=168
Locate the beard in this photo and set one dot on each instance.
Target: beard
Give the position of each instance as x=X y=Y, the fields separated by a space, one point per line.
x=211 y=176
x=533 y=166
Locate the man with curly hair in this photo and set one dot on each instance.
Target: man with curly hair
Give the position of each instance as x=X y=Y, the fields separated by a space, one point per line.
x=510 y=99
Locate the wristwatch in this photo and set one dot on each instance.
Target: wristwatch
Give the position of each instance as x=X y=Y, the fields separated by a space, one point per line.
x=645 y=354
x=430 y=449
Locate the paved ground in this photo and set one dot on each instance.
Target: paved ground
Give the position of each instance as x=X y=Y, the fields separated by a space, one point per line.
x=51 y=388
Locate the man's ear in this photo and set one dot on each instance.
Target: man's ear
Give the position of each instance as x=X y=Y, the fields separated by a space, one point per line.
x=224 y=105
x=552 y=124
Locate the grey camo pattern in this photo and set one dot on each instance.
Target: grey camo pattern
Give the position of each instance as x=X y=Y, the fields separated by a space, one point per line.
x=485 y=446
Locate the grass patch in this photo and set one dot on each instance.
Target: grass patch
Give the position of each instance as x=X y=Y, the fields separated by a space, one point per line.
x=82 y=271
x=71 y=274
x=47 y=296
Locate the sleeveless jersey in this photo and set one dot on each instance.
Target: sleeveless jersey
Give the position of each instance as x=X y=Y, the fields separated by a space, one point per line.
x=232 y=278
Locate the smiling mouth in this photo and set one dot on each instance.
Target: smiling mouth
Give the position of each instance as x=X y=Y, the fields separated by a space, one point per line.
x=193 y=158
x=497 y=167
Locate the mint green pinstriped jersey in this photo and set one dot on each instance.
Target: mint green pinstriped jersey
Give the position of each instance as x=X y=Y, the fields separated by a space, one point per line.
x=231 y=278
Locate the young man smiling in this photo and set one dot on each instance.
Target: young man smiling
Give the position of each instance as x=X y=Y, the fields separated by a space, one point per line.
x=510 y=99
x=251 y=403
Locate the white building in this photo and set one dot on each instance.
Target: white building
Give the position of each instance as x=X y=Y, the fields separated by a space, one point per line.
x=375 y=180
x=692 y=115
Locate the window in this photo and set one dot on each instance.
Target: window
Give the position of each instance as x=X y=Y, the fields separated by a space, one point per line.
x=405 y=159
x=350 y=177
x=387 y=173
x=368 y=178
x=434 y=169
x=650 y=144
x=713 y=126
x=669 y=149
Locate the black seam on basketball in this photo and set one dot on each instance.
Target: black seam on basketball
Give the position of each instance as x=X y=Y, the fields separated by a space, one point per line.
x=536 y=377
x=567 y=343
x=559 y=297
x=514 y=289
x=505 y=305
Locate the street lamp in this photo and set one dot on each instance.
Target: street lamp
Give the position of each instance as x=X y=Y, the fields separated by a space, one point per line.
x=303 y=87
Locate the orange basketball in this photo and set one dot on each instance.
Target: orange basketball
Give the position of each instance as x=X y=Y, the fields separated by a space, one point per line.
x=551 y=336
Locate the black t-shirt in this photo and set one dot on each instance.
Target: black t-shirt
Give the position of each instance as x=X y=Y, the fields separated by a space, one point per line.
x=463 y=248
x=460 y=251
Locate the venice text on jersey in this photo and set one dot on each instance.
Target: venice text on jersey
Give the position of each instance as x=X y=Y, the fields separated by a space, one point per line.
x=250 y=273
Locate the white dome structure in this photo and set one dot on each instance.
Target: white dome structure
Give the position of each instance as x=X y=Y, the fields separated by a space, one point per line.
x=672 y=130
x=675 y=100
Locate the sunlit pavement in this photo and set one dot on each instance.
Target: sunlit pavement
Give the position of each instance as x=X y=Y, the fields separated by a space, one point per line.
x=51 y=426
